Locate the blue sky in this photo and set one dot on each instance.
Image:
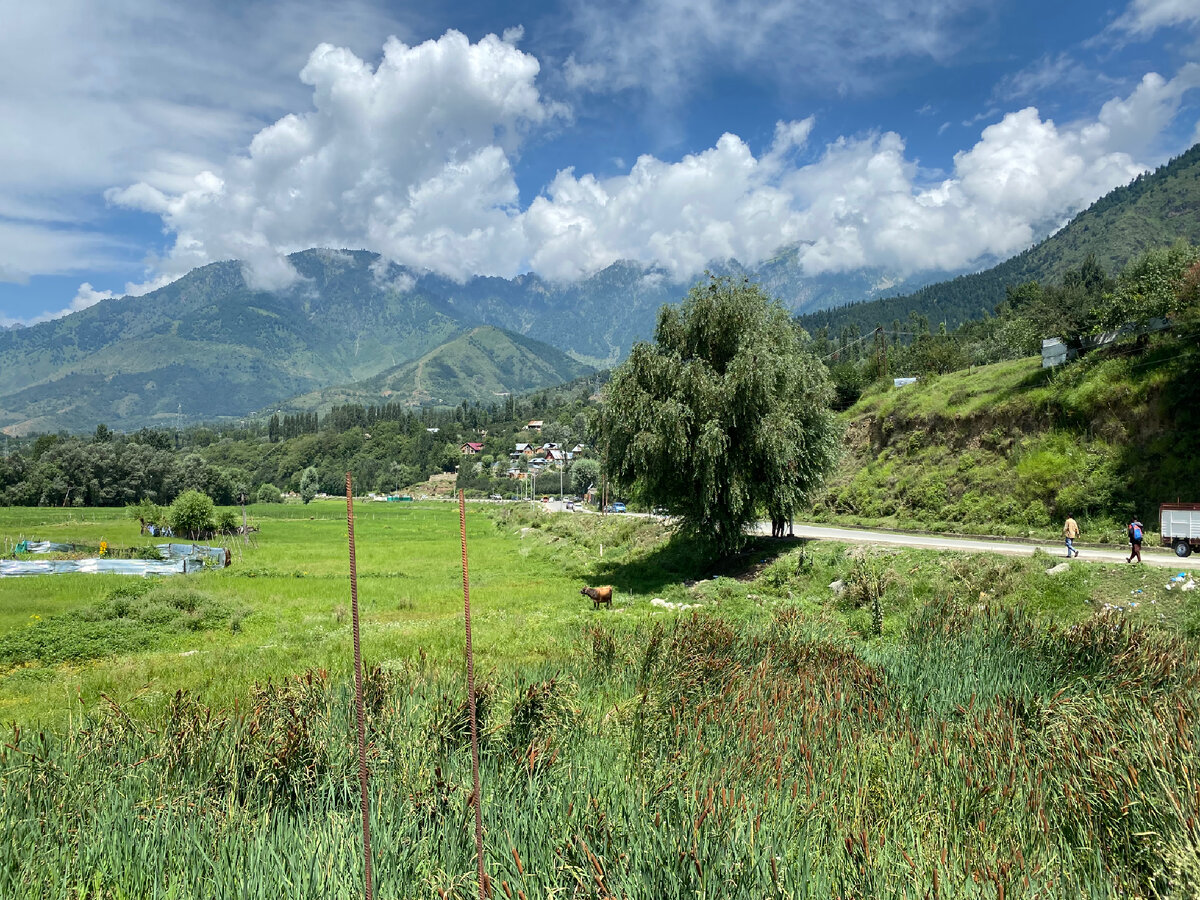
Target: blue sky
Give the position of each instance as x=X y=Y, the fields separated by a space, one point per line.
x=140 y=139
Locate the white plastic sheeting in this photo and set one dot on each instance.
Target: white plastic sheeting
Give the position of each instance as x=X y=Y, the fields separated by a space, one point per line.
x=179 y=559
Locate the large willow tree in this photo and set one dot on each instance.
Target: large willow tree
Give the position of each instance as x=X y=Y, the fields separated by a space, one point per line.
x=724 y=416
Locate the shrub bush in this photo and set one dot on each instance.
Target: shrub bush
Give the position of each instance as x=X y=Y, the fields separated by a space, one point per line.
x=192 y=515
x=268 y=493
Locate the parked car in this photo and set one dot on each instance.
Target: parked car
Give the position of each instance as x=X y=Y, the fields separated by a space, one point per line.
x=1179 y=525
x=616 y=507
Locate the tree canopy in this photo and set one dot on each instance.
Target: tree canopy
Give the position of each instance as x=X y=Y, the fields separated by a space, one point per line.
x=723 y=415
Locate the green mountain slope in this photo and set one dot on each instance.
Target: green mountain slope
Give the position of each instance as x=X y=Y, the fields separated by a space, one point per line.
x=1017 y=447
x=1155 y=210
x=208 y=346
x=481 y=365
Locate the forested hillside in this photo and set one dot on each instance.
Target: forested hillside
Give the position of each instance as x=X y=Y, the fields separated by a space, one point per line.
x=211 y=345
x=479 y=366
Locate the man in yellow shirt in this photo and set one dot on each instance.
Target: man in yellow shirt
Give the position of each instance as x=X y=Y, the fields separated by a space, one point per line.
x=1070 y=532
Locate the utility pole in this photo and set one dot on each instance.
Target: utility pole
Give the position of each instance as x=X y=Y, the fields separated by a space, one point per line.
x=604 y=482
x=245 y=525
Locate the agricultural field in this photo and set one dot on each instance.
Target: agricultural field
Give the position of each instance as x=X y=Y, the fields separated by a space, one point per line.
x=944 y=725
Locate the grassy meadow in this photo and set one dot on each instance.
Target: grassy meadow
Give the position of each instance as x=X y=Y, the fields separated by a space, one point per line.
x=947 y=725
x=283 y=605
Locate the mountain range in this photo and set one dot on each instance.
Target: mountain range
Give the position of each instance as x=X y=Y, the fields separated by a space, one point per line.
x=209 y=347
x=355 y=328
x=481 y=365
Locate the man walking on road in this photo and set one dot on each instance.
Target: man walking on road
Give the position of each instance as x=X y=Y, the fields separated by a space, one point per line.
x=1135 y=541
x=1071 y=532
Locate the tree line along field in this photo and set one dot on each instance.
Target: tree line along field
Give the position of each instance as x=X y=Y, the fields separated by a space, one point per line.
x=949 y=725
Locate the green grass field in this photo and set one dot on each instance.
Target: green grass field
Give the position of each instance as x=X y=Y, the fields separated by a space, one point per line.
x=948 y=725
x=290 y=594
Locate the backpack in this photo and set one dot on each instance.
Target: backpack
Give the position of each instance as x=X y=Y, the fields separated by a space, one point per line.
x=1135 y=532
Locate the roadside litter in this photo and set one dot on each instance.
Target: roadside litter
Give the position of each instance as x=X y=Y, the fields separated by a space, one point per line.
x=667 y=604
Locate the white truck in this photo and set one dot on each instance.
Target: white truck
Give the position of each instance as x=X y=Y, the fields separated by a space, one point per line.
x=1180 y=526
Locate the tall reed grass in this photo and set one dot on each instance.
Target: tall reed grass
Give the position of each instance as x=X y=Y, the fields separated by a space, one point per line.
x=984 y=755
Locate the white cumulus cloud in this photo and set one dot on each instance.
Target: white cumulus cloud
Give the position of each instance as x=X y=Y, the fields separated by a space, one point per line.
x=863 y=202
x=413 y=158
x=86 y=296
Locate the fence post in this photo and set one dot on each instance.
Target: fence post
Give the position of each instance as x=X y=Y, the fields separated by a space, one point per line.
x=358 y=696
x=462 y=527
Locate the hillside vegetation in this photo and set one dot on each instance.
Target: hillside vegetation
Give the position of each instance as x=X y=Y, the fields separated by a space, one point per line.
x=212 y=345
x=480 y=366
x=1015 y=447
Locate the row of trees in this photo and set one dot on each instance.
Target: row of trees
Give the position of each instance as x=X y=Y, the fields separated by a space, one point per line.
x=70 y=471
x=387 y=447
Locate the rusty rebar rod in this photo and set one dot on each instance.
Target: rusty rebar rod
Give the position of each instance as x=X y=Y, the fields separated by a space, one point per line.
x=358 y=697
x=475 y=795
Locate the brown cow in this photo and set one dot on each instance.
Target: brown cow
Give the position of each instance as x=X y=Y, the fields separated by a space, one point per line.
x=599 y=595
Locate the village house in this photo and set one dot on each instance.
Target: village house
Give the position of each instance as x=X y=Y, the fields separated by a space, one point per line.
x=535 y=425
x=470 y=448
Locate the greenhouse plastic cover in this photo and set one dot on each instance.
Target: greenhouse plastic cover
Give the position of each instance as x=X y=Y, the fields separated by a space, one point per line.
x=180 y=559
x=12 y=567
x=43 y=547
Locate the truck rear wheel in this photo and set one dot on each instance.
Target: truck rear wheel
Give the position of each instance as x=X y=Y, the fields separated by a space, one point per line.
x=1182 y=548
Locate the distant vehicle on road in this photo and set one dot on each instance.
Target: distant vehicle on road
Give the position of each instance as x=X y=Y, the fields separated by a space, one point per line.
x=495 y=497
x=1179 y=525
x=570 y=506
x=616 y=507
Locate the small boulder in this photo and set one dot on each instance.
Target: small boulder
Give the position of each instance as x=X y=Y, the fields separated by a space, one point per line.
x=1059 y=569
x=838 y=587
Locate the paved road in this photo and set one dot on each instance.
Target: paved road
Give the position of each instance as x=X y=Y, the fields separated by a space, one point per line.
x=1154 y=557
